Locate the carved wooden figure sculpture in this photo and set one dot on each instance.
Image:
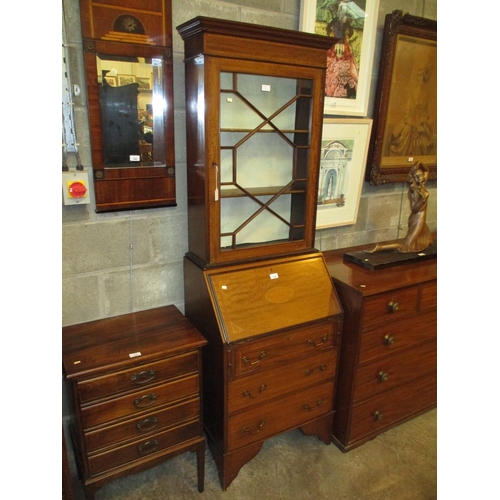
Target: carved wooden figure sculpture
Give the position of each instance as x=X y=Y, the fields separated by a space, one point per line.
x=419 y=236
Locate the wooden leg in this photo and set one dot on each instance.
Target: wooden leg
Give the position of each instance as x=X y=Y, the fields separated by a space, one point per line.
x=321 y=427
x=200 y=460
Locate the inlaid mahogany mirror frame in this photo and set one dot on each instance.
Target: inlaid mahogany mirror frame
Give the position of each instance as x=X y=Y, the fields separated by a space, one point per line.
x=131 y=117
x=405 y=113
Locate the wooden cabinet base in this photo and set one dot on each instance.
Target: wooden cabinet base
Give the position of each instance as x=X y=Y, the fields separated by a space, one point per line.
x=229 y=464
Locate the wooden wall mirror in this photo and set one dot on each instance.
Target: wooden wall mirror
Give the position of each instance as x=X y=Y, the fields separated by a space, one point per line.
x=128 y=67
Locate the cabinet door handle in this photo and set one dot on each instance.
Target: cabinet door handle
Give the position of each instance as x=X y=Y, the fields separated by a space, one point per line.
x=383 y=376
x=389 y=339
x=263 y=354
x=378 y=416
x=145 y=401
x=143 y=377
x=263 y=387
x=147 y=424
x=311 y=408
x=393 y=306
x=323 y=340
x=148 y=447
x=247 y=430
x=320 y=368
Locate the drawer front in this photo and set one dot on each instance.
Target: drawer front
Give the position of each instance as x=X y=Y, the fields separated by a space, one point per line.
x=395 y=335
x=428 y=299
x=139 y=450
x=385 y=373
x=261 y=387
x=279 y=415
x=389 y=305
x=143 y=426
x=382 y=412
x=140 y=401
x=282 y=348
x=137 y=377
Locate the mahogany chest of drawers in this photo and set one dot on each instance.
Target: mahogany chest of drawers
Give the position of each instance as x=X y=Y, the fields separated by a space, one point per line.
x=388 y=365
x=273 y=329
x=136 y=388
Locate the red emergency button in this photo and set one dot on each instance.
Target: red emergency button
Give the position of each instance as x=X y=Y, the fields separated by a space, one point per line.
x=77 y=190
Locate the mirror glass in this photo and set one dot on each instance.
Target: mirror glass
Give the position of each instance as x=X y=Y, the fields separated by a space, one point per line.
x=132 y=104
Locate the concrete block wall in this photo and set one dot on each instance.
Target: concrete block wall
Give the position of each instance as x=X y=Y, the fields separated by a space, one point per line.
x=129 y=261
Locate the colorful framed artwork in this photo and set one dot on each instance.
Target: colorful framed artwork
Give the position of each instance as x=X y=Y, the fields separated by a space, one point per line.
x=353 y=25
x=405 y=113
x=344 y=148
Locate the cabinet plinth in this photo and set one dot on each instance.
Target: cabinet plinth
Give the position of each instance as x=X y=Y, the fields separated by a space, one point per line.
x=388 y=365
x=136 y=389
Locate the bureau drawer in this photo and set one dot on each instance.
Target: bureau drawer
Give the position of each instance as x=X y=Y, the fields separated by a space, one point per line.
x=384 y=373
x=395 y=335
x=383 y=411
x=145 y=425
x=260 y=387
x=282 y=348
x=279 y=415
x=429 y=296
x=137 y=377
x=139 y=450
x=390 y=305
x=140 y=401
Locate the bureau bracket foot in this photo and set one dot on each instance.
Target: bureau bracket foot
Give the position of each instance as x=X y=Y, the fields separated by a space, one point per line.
x=321 y=427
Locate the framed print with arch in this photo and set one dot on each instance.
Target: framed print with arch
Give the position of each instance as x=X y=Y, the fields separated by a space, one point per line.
x=344 y=148
x=353 y=25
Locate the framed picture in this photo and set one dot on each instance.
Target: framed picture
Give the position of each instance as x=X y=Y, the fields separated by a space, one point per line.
x=353 y=25
x=405 y=113
x=110 y=80
x=125 y=79
x=144 y=83
x=344 y=148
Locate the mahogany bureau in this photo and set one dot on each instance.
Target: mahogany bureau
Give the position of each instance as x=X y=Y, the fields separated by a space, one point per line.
x=388 y=362
x=136 y=388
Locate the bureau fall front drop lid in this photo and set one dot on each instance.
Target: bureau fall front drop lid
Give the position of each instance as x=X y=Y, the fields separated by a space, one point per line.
x=270 y=296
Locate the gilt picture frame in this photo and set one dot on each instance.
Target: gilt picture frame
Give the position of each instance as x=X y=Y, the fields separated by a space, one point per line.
x=344 y=149
x=405 y=111
x=352 y=24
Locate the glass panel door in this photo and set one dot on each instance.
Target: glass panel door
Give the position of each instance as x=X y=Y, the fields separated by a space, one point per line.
x=264 y=158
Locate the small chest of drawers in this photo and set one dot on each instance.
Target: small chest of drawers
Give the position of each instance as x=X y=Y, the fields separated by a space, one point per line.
x=388 y=365
x=136 y=389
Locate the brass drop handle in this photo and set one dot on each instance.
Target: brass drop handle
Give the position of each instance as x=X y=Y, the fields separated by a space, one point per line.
x=320 y=367
x=389 y=339
x=324 y=339
x=263 y=354
x=263 y=387
x=148 y=447
x=147 y=424
x=378 y=416
x=311 y=408
x=145 y=401
x=247 y=430
x=143 y=377
x=382 y=376
x=393 y=306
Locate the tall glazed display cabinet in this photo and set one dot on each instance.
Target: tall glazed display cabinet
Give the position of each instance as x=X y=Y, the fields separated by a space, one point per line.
x=254 y=284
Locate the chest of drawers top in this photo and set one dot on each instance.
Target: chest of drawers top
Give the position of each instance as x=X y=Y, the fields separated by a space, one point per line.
x=127 y=341
x=369 y=282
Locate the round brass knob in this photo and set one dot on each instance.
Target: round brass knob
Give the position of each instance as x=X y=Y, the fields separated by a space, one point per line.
x=382 y=376
x=389 y=339
x=393 y=306
x=378 y=416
